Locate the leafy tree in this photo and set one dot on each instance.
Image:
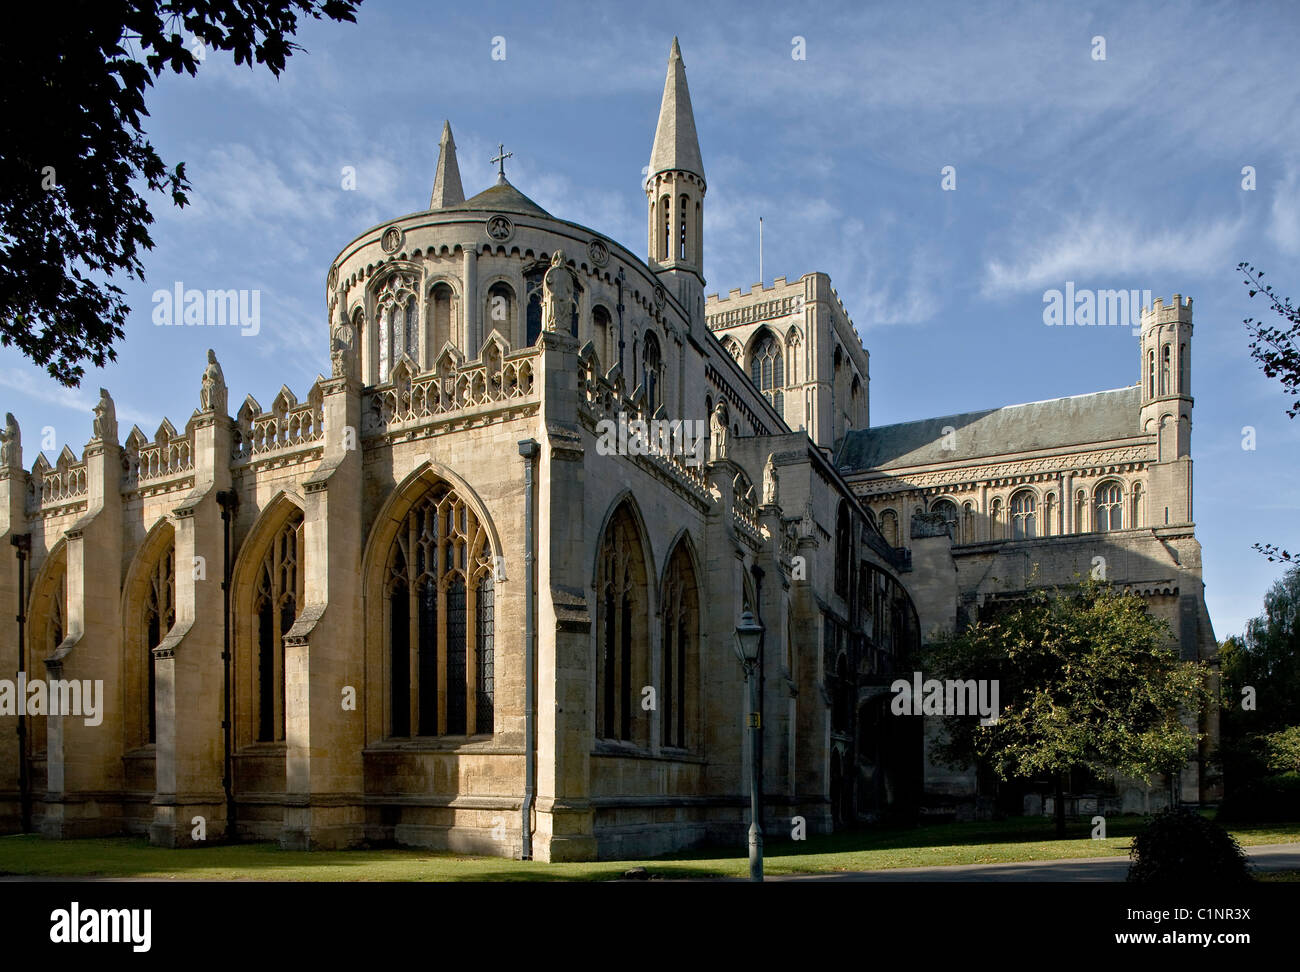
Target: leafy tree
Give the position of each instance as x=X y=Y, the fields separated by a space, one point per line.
x=1267 y=658
x=1277 y=349
x=1265 y=663
x=72 y=97
x=1087 y=678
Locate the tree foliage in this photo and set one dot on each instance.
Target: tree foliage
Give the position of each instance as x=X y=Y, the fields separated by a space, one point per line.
x=73 y=155
x=1180 y=847
x=1266 y=658
x=1087 y=679
x=1277 y=349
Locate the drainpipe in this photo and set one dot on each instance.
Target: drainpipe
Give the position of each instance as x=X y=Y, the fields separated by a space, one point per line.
x=228 y=500
x=528 y=448
x=23 y=544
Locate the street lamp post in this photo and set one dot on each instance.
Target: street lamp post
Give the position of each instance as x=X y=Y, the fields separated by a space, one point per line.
x=749 y=639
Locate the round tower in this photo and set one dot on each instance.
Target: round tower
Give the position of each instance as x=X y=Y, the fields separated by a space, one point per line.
x=675 y=190
x=1166 y=412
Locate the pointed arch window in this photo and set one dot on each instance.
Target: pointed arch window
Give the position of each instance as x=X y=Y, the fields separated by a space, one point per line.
x=1164 y=370
x=159 y=616
x=767 y=369
x=666 y=221
x=440 y=603
x=793 y=343
x=652 y=362
x=276 y=601
x=621 y=626
x=1081 y=510
x=1024 y=516
x=996 y=521
x=685 y=203
x=398 y=317
x=1135 y=515
x=680 y=620
x=1109 y=499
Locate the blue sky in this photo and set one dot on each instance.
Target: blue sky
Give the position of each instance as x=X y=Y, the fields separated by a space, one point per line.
x=1122 y=173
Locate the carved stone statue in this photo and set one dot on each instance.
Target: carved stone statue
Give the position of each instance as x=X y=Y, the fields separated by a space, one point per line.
x=341 y=357
x=105 y=418
x=718 y=432
x=11 y=445
x=770 y=482
x=808 y=525
x=557 y=295
x=212 y=396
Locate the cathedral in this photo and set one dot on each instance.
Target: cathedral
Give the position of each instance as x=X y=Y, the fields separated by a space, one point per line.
x=422 y=605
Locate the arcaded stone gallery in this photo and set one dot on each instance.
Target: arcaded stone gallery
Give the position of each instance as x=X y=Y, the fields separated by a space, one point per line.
x=423 y=603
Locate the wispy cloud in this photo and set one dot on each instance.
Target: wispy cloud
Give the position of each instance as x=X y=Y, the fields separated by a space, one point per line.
x=1104 y=248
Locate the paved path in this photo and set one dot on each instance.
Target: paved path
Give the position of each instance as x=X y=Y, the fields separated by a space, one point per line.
x=1265 y=857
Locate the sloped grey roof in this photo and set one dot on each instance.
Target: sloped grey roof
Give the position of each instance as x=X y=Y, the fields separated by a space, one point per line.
x=502 y=197
x=1098 y=417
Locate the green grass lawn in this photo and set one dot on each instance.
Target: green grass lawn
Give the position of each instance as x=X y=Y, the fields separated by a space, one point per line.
x=991 y=842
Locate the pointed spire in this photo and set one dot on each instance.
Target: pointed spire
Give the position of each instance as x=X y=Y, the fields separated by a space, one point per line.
x=676 y=144
x=447 y=190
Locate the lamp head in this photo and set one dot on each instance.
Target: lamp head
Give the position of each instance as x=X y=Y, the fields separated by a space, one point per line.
x=749 y=633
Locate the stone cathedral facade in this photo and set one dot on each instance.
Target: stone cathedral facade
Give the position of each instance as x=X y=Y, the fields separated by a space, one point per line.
x=317 y=620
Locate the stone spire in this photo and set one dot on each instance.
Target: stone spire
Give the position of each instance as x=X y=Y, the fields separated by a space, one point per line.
x=676 y=147
x=447 y=190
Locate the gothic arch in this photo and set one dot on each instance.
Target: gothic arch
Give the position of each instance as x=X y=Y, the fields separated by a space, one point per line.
x=148 y=612
x=680 y=637
x=622 y=633
x=47 y=613
x=476 y=580
x=267 y=581
x=764 y=362
x=643 y=533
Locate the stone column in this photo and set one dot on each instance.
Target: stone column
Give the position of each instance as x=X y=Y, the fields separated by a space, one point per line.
x=565 y=734
x=322 y=651
x=473 y=329
x=13 y=521
x=189 y=677
x=1067 y=503
x=85 y=752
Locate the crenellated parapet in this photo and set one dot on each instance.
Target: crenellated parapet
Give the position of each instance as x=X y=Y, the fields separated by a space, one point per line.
x=287 y=426
x=150 y=462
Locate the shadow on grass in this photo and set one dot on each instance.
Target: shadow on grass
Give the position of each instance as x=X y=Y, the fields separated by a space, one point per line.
x=126 y=857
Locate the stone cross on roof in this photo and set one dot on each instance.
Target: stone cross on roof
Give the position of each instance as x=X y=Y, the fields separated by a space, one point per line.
x=500 y=159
